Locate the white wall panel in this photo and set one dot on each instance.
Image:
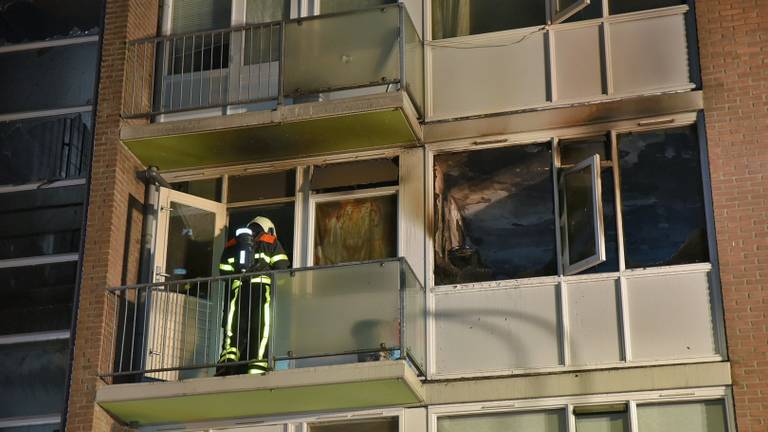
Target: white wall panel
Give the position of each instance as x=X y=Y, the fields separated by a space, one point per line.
x=593 y=322
x=496 y=330
x=578 y=63
x=670 y=316
x=489 y=74
x=649 y=54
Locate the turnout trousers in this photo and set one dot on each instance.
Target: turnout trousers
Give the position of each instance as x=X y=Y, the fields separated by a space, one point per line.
x=247 y=326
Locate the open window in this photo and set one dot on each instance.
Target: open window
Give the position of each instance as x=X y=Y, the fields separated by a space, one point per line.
x=564 y=9
x=581 y=216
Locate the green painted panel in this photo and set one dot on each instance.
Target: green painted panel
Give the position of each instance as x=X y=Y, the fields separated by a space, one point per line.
x=213 y=406
x=363 y=131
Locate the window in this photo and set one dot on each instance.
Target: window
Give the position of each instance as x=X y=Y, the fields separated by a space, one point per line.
x=539 y=421
x=45 y=148
x=624 y=6
x=368 y=425
x=282 y=215
x=41 y=222
x=662 y=198
x=708 y=416
x=48 y=78
x=261 y=186
x=334 y=6
x=24 y=21
x=354 y=175
x=601 y=418
x=209 y=189
x=494 y=214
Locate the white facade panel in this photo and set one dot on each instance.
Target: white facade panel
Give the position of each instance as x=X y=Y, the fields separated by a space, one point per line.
x=480 y=75
x=578 y=63
x=497 y=330
x=670 y=316
x=594 y=331
x=648 y=54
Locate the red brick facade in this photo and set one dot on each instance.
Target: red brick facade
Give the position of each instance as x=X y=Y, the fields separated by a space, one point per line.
x=733 y=43
x=113 y=187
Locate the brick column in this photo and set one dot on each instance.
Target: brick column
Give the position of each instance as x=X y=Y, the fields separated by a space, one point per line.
x=113 y=187
x=733 y=42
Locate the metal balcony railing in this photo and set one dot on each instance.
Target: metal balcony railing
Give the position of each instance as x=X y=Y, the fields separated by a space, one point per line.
x=339 y=314
x=281 y=62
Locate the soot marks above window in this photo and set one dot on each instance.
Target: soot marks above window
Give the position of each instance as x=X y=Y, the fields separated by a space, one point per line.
x=354 y=175
x=494 y=215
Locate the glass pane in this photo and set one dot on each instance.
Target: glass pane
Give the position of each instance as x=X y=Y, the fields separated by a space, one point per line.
x=373 y=425
x=362 y=300
x=662 y=198
x=38 y=20
x=48 y=78
x=32 y=377
x=414 y=65
x=539 y=421
x=580 y=215
x=483 y=199
x=354 y=230
x=606 y=422
x=415 y=317
x=45 y=148
x=209 y=189
x=280 y=214
x=41 y=222
x=200 y=15
x=338 y=61
x=451 y=18
x=263 y=11
x=592 y=11
x=573 y=151
x=56 y=427
x=624 y=6
x=707 y=416
x=262 y=186
x=354 y=175
x=191 y=235
x=37 y=291
x=335 y=6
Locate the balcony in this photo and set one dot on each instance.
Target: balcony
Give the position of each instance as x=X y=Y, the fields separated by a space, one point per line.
x=342 y=337
x=302 y=87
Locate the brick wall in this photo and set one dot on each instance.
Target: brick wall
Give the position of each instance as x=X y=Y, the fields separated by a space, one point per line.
x=113 y=197
x=733 y=42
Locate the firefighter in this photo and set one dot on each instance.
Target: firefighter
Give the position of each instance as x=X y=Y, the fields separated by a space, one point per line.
x=254 y=250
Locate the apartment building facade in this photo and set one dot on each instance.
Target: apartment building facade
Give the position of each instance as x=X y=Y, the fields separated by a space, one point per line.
x=536 y=215
x=49 y=63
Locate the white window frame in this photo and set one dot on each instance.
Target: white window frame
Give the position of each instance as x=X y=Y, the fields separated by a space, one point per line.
x=570 y=268
x=632 y=399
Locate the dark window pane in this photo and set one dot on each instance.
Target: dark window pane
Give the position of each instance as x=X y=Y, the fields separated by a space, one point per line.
x=352 y=230
x=262 y=186
x=32 y=377
x=576 y=150
x=48 y=78
x=334 y=6
x=45 y=148
x=280 y=214
x=41 y=222
x=209 y=189
x=354 y=175
x=662 y=198
x=624 y=6
x=200 y=15
x=56 y=427
x=593 y=10
x=580 y=226
x=38 y=20
x=494 y=215
x=451 y=18
x=42 y=291
x=369 y=425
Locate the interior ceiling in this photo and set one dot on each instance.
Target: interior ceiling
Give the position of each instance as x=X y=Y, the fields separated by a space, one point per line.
x=362 y=131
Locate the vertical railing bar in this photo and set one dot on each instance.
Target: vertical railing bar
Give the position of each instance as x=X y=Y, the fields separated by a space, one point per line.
x=202 y=69
x=191 y=70
x=210 y=81
x=115 y=329
x=183 y=307
x=173 y=71
x=181 y=81
x=133 y=334
x=259 y=61
x=281 y=67
x=163 y=74
x=132 y=50
x=197 y=324
x=207 y=318
x=248 y=331
x=221 y=67
x=269 y=63
x=143 y=72
x=250 y=61
x=239 y=314
x=166 y=330
x=125 y=329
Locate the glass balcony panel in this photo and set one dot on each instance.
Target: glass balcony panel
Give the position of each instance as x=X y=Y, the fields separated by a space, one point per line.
x=337 y=60
x=337 y=310
x=415 y=319
x=414 y=65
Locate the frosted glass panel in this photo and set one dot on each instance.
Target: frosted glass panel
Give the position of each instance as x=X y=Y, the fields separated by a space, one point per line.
x=415 y=320
x=338 y=60
x=670 y=316
x=538 y=421
x=593 y=322
x=495 y=330
x=578 y=69
x=414 y=66
x=649 y=54
x=337 y=310
x=706 y=416
x=461 y=88
x=610 y=422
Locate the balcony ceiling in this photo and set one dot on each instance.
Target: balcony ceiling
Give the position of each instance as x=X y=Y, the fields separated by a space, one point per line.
x=326 y=388
x=310 y=129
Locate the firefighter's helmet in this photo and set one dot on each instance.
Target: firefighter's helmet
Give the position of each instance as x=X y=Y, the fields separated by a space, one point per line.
x=264 y=223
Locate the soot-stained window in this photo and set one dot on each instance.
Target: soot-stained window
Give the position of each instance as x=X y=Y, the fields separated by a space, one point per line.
x=494 y=215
